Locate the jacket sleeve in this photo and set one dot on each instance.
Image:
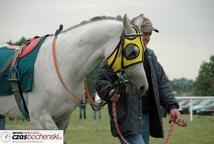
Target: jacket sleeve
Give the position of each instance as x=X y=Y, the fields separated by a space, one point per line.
x=105 y=80
x=167 y=98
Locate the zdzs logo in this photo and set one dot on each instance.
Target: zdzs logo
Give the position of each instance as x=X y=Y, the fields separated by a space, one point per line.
x=19 y=136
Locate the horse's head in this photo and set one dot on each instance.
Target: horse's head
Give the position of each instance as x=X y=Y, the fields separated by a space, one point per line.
x=127 y=57
x=120 y=42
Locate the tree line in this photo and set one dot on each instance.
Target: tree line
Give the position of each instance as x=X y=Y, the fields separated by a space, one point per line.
x=203 y=85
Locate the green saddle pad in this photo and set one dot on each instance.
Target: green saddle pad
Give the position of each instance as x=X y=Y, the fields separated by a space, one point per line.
x=25 y=67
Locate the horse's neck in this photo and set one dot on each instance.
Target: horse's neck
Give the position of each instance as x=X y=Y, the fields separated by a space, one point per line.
x=80 y=49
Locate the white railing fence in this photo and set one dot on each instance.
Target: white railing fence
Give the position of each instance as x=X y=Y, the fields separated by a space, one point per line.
x=191 y=98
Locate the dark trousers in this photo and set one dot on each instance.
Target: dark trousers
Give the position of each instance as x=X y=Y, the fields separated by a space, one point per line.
x=2 y=122
x=82 y=113
x=97 y=113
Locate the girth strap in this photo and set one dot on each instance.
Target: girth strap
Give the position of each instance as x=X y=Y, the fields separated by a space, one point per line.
x=14 y=79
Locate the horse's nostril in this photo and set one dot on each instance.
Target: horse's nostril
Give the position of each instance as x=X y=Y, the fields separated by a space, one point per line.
x=142 y=88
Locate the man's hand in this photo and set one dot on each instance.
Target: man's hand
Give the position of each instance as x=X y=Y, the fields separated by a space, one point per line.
x=114 y=96
x=175 y=116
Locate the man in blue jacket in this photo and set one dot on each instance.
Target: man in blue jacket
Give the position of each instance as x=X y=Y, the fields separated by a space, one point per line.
x=137 y=131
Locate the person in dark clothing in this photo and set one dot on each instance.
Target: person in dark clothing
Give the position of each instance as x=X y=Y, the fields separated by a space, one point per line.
x=137 y=124
x=2 y=122
x=82 y=107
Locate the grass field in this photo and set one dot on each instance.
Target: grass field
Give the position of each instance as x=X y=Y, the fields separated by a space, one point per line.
x=89 y=131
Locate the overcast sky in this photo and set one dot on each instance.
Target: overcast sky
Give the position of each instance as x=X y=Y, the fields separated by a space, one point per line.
x=186 y=37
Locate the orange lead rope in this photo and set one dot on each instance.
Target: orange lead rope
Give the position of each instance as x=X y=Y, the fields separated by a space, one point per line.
x=56 y=65
x=170 y=130
x=114 y=113
x=87 y=93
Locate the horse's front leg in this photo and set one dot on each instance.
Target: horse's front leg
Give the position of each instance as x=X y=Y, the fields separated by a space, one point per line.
x=43 y=120
x=46 y=122
x=62 y=122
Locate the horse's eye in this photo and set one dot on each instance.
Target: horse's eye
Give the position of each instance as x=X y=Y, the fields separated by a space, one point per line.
x=131 y=51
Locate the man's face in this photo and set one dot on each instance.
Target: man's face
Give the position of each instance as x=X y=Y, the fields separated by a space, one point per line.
x=146 y=37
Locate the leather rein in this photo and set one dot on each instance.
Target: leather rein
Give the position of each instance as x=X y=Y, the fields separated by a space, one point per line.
x=79 y=98
x=95 y=106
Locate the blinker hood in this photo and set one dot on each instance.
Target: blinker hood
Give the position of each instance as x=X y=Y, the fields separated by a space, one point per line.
x=128 y=52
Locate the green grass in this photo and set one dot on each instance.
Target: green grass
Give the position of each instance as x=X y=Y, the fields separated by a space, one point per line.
x=89 y=131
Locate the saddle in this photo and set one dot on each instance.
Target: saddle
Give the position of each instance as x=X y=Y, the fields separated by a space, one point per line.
x=16 y=74
x=20 y=51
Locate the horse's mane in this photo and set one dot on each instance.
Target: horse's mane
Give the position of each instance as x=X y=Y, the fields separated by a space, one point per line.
x=96 y=18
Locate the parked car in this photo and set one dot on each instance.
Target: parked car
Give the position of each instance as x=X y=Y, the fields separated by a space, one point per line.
x=202 y=105
x=182 y=103
x=184 y=109
x=207 y=110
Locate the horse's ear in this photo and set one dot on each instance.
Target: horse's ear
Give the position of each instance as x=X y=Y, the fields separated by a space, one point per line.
x=127 y=25
x=138 y=21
